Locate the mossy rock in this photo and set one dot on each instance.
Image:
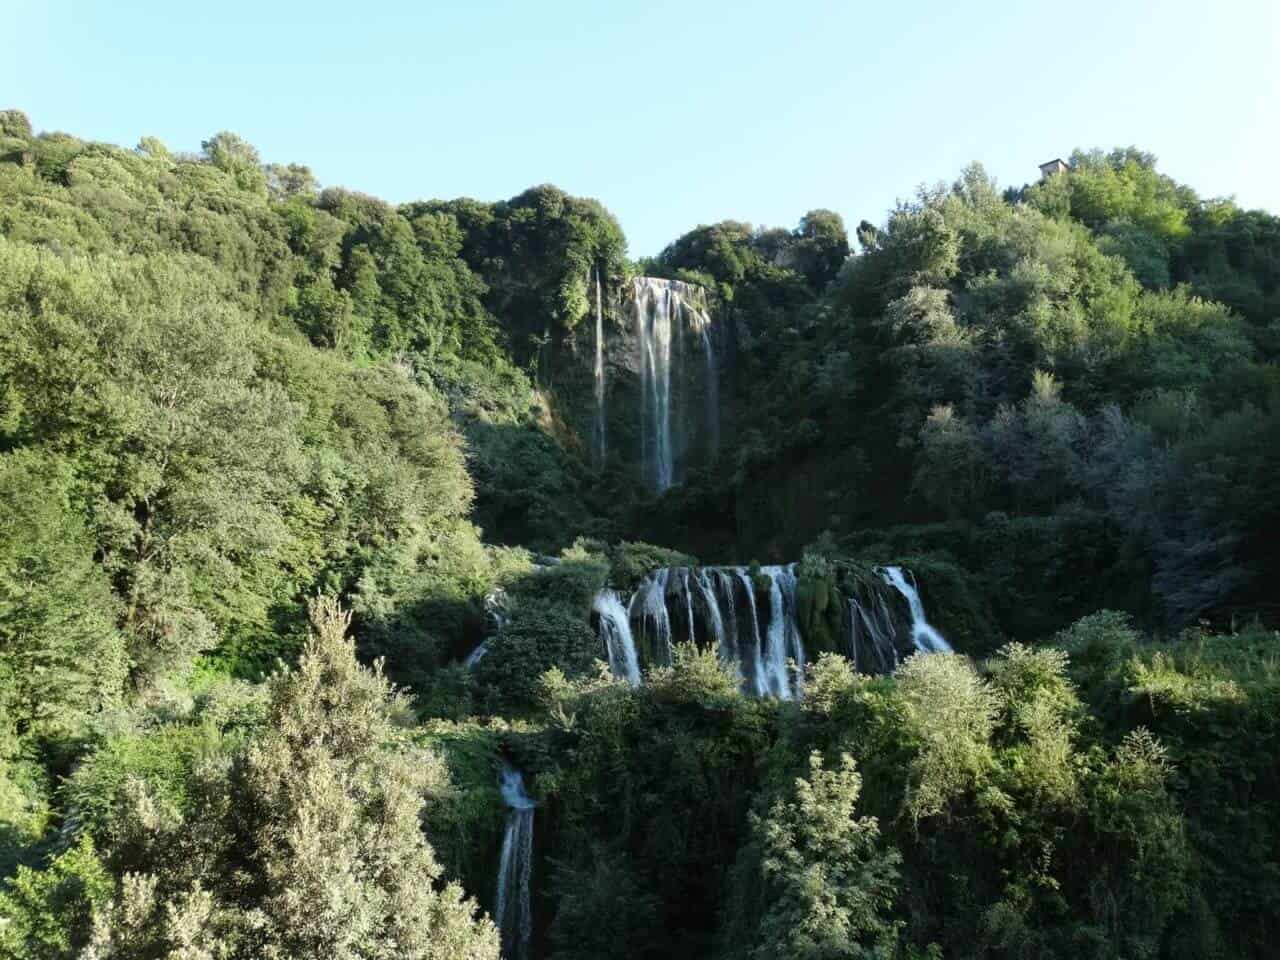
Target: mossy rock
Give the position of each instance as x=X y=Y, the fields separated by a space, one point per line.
x=818 y=609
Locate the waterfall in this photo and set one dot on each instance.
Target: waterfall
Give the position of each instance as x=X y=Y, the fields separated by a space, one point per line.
x=602 y=446
x=712 y=380
x=706 y=590
x=666 y=312
x=925 y=637
x=512 y=911
x=757 y=629
x=870 y=636
x=751 y=650
x=649 y=605
x=614 y=624
x=476 y=655
x=495 y=621
x=653 y=329
x=783 y=638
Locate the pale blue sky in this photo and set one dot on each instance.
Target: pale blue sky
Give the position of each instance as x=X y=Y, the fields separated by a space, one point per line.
x=672 y=114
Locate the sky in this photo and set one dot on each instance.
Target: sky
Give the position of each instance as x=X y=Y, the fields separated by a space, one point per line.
x=672 y=114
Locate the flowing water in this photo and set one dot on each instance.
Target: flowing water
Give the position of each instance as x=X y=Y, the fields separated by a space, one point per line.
x=648 y=607
x=925 y=637
x=754 y=623
x=614 y=625
x=783 y=643
x=601 y=444
x=512 y=911
x=667 y=314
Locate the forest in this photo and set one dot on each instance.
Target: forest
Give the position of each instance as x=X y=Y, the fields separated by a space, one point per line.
x=438 y=581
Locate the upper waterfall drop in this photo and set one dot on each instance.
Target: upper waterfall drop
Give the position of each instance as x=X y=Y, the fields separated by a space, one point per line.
x=669 y=314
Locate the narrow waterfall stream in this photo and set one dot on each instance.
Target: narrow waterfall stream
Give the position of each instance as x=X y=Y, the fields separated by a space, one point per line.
x=601 y=438
x=924 y=636
x=783 y=644
x=513 y=911
x=495 y=620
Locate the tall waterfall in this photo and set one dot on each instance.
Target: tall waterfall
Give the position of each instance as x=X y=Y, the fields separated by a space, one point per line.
x=924 y=636
x=601 y=438
x=667 y=314
x=512 y=911
x=614 y=625
x=754 y=622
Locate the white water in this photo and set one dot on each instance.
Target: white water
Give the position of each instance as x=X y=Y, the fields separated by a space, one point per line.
x=664 y=309
x=602 y=446
x=877 y=653
x=512 y=911
x=649 y=606
x=652 y=300
x=752 y=660
x=495 y=619
x=706 y=590
x=713 y=385
x=924 y=636
x=783 y=641
x=763 y=639
x=615 y=630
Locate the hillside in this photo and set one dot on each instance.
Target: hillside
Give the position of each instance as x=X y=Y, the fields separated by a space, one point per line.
x=436 y=581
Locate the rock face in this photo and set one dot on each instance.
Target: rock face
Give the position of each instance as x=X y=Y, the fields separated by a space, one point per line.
x=643 y=383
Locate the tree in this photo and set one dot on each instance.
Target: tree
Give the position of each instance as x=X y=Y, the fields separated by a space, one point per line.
x=141 y=371
x=233 y=154
x=45 y=914
x=308 y=845
x=822 y=246
x=829 y=880
x=950 y=469
x=61 y=656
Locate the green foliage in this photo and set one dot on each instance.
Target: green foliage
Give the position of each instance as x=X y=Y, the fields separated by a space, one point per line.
x=631 y=562
x=828 y=882
x=223 y=390
x=952 y=713
x=695 y=676
x=546 y=626
x=45 y=914
x=61 y=657
x=325 y=806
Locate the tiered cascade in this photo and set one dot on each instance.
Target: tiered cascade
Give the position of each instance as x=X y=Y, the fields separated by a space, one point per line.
x=753 y=618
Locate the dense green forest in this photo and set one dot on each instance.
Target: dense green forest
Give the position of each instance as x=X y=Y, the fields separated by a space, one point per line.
x=276 y=459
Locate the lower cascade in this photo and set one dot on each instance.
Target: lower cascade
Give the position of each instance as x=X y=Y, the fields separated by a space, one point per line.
x=923 y=635
x=615 y=631
x=512 y=910
x=753 y=618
